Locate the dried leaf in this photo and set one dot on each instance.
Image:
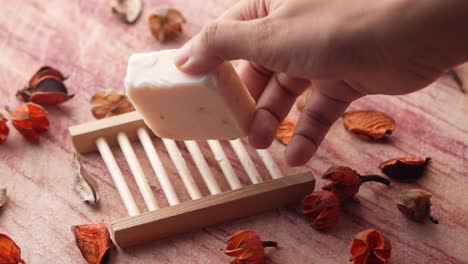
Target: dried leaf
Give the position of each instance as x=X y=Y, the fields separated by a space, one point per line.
x=321 y=209
x=127 y=10
x=94 y=242
x=84 y=185
x=370 y=247
x=108 y=103
x=285 y=131
x=30 y=120
x=405 y=168
x=302 y=100
x=165 y=23
x=45 y=88
x=247 y=247
x=416 y=205
x=4 y=130
x=10 y=252
x=3 y=197
x=368 y=125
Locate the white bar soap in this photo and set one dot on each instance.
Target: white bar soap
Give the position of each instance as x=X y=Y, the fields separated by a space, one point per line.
x=179 y=106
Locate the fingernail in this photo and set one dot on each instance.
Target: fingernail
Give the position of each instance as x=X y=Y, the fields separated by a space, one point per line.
x=182 y=55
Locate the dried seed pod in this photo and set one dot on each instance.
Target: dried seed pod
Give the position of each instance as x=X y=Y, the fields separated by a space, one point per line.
x=127 y=10
x=109 y=103
x=247 y=247
x=285 y=131
x=30 y=120
x=416 y=204
x=302 y=100
x=4 y=130
x=321 y=209
x=405 y=168
x=165 y=23
x=370 y=247
x=3 y=196
x=45 y=88
x=368 y=125
x=84 y=185
x=10 y=252
x=345 y=182
x=94 y=242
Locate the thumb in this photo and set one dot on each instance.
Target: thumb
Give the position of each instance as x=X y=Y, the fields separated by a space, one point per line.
x=225 y=40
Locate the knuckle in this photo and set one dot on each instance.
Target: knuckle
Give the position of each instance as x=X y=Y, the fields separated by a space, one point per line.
x=209 y=34
x=315 y=118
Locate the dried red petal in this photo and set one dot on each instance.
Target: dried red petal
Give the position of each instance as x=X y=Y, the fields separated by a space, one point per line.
x=285 y=131
x=4 y=130
x=321 y=209
x=368 y=125
x=30 y=120
x=370 y=247
x=405 y=168
x=247 y=247
x=94 y=242
x=50 y=98
x=10 y=252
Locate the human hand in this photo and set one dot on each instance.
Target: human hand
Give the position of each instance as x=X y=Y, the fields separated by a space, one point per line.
x=347 y=49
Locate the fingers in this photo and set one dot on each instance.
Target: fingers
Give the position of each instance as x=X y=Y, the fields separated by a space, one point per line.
x=318 y=116
x=255 y=77
x=273 y=106
x=225 y=40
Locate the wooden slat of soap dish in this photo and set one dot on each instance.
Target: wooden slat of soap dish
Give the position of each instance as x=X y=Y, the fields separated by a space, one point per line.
x=179 y=217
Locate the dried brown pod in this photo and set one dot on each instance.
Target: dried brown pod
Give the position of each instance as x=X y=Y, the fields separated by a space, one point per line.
x=3 y=197
x=165 y=23
x=127 y=10
x=45 y=87
x=302 y=100
x=416 y=205
x=94 y=242
x=84 y=185
x=109 y=103
x=285 y=131
x=368 y=125
x=405 y=168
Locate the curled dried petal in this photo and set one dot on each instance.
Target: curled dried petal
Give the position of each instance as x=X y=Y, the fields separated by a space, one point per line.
x=416 y=205
x=370 y=247
x=286 y=131
x=4 y=130
x=405 y=168
x=94 y=242
x=30 y=120
x=321 y=209
x=127 y=10
x=165 y=23
x=368 y=125
x=84 y=185
x=108 y=103
x=10 y=252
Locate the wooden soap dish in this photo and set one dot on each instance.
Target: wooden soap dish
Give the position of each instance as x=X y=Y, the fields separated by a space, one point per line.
x=200 y=212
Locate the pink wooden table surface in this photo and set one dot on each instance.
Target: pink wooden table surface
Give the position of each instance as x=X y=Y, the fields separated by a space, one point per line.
x=85 y=41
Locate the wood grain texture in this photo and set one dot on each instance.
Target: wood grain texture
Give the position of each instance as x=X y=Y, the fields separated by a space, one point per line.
x=85 y=41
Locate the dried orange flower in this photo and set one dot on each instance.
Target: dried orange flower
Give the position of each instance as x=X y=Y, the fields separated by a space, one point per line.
x=165 y=23
x=302 y=100
x=321 y=209
x=369 y=125
x=405 y=168
x=4 y=130
x=109 y=103
x=30 y=120
x=247 y=247
x=45 y=88
x=345 y=182
x=285 y=131
x=94 y=242
x=370 y=247
x=416 y=204
x=10 y=252
x=127 y=10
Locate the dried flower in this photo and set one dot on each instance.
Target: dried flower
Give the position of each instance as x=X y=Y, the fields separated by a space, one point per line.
x=345 y=182
x=285 y=131
x=370 y=247
x=84 y=185
x=30 y=120
x=109 y=103
x=165 y=23
x=94 y=242
x=416 y=204
x=3 y=196
x=4 y=130
x=127 y=10
x=302 y=100
x=368 y=125
x=247 y=247
x=10 y=252
x=405 y=168
x=45 y=88
x=321 y=209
